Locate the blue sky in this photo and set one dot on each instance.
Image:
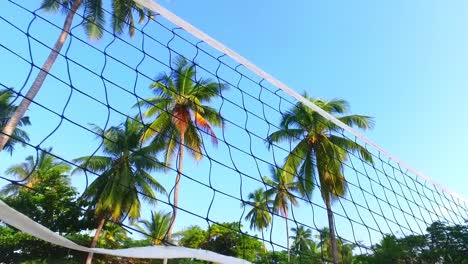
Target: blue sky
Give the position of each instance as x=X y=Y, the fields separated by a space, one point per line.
x=402 y=62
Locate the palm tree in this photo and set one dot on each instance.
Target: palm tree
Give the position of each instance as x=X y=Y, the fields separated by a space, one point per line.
x=112 y=236
x=157 y=227
x=325 y=243
x=282 y=187
x=6 y=111
x=122 y=17
x=123 y=175
x=259 y=216
x=320 y=149
x=345 y=249
x=180 y=109
x=302 y=239
x=33 y=170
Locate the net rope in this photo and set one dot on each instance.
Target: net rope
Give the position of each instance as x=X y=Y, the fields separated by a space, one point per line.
x=385 y=197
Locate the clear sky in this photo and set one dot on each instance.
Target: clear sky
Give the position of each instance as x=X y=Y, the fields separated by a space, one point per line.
x=402 y=62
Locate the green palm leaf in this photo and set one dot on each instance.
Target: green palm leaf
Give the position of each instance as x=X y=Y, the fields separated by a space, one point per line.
x=320 y=150
x=180 y=115
x=123 y=173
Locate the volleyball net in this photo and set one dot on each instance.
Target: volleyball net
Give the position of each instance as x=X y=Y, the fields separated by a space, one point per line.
x=253 y=180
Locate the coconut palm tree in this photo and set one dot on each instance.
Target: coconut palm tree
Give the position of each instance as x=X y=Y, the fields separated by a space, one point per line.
x=320 y=149
x=112 y=236
x=302 y=239
x=281 y=187
x=180 y=112
x=33 y=170
x=156 y=228
x=123 y=175
x=259 y=216
x=122 y=18
x=325 y=243
x=345 y=250
x=6 y=111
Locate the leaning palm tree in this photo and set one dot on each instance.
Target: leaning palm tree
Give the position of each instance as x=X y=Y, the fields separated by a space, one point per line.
x=32 y=170
x=7 y=108
x=282 y=186
x=94 y=21
x=124 y=176
x=180 y=110
x=156 y=228
x=259 y=216
x=320 y=149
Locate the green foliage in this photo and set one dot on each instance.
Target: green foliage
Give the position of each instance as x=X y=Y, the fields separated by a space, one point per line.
x=273 y=257
x=181 y=108
x=112 y=236
x=7 y=108
x=259 y=215
x=123 y=15
x=34 y=170
x=192 y=237
x=124 y=172
x=226 y=239
x=302 y=240
x=319 y=147
x=281 y=187
x=442 y=244
x=320 y=150
x=324 y=250
x=18 y=247
x=156 y=228
x=52 y=203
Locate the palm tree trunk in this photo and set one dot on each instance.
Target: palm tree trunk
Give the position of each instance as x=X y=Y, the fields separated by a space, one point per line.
x=176 y=188
x=287 y=237
x=263 y=241
x=41 y=76
x=89 y=259
x=331 y=226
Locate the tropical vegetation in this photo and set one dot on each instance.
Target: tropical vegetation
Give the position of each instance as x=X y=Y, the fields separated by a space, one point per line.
x=122 y=17
x=125 y=174
x=281 y=187
x=180 y=111
x=320 y=151
x=7 y=108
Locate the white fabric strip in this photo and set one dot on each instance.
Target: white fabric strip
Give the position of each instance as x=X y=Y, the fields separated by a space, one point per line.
x=151 y=5
x=16 y=219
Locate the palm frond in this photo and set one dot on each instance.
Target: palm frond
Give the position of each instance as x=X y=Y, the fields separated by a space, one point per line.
x=96 y=164
x=282 y=135
x=207 y=89
x=50 y=5
x=335 y=106
x=161 y=124
x=295 y=158
x=165 y=87
x=360 y=121
x=94 y=19
x=306 y=175
x=202 y=124
x=213 y=116
x=193 y=141
x=352 y=146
